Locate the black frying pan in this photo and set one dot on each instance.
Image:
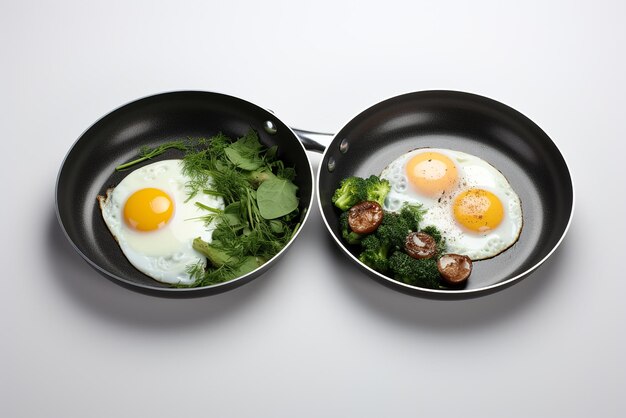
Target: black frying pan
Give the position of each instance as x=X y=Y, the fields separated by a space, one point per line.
x=491 y=130
x=466 y=122
x=88 y=170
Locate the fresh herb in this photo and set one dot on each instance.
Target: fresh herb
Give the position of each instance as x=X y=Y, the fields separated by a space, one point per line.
x=244 y=153
x=147 y=153
x=225 y=265
x=261 y=213
x=276 y=197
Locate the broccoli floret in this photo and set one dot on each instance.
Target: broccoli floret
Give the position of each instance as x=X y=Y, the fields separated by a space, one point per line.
x=433 y=232
x=348 y=235
x=374 y=243
x=375 y=253
x=393 y=230
x=396 y=226
x=351 y=191
x=422 y=273
x=440 y=240
x=374 y=260
x=390 y=236
x=413 y=215
x=377 y=189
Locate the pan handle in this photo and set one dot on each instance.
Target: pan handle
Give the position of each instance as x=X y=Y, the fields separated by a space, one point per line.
x=313 y=141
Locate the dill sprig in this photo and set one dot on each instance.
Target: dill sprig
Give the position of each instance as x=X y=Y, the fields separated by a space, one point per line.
x=147 y=153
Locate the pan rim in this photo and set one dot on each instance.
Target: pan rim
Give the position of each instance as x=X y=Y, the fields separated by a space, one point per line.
x=440 y=292
x=178 y=290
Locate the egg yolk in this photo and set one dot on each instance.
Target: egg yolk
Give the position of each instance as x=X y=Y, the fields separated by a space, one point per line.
x=478 y=210
x=431 y=173
x=148 y=209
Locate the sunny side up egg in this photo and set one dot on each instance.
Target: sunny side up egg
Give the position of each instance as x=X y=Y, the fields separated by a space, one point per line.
x=154 y=222
x=466 y=198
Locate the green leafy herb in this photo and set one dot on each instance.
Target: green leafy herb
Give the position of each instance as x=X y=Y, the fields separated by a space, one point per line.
x=261 y=212
x=147 y=153
x=276 y=198
x=244 y=153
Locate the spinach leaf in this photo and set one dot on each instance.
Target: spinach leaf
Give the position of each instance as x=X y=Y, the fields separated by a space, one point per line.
x=244 y=153
x=270 y=154
x=276 y=198
x=232 y=214
x=277 y=226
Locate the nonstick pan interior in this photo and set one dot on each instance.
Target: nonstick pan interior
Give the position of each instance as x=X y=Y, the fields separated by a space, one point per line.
x=465 y=122
x=88 y=170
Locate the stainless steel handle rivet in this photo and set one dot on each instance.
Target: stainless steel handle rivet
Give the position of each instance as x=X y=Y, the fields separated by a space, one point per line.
x=331 y=164
x=343 y=147
x=269 y=127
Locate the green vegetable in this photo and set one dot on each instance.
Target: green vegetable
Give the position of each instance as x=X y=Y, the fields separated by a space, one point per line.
x=383 y=250
x=244 y=153
x=348 y=235
x=422 y=272
x=440 y=240
x=276 y=197
x=353 y=190
x=147 y=153
x=231 y=266
x=375 y=253
x=350 y=192
x=232 y=214
x=215 y=254
x=396 y=226
x=389 y=237
x=257 y=177
x=376 y=189
x=261 y=212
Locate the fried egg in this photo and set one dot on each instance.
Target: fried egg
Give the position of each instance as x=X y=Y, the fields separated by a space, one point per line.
x=466 y=198
x=154 y=222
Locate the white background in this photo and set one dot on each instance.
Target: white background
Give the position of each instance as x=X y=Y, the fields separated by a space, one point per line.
x=314 y=337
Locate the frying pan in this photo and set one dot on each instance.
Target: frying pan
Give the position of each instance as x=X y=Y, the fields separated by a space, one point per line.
x=89 y=169
x=365 y=145
x=470 y=123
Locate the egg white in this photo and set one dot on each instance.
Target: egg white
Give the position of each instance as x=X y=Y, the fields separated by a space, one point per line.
x=473 y=172
x=164 y=254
